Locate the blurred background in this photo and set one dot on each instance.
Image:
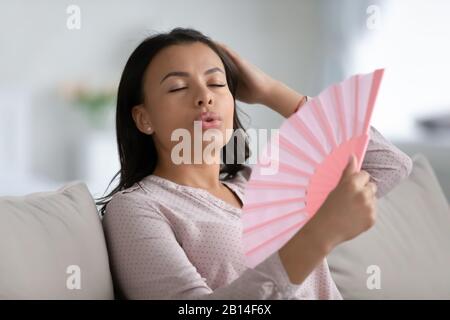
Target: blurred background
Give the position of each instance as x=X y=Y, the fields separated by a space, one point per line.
x=61 y=61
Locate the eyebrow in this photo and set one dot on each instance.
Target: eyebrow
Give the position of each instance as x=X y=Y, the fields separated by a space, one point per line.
x=186 y=74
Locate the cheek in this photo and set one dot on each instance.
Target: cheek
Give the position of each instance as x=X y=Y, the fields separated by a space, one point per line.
x=168 y=112
x=228 y=112
x=228 y=115
x=165 y=123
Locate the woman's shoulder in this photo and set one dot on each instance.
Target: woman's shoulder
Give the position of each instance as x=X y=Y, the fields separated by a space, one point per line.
x=135 y=196
x=134 y=191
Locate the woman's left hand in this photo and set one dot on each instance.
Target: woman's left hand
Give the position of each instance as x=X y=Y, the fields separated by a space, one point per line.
x=254 y=85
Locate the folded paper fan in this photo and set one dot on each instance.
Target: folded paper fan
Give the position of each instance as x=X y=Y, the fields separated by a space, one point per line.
x=303 y=163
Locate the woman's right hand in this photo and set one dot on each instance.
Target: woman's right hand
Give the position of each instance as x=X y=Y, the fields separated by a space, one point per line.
x=348 y=210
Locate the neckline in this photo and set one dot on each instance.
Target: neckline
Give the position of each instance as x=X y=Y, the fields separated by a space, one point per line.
x=206 y=193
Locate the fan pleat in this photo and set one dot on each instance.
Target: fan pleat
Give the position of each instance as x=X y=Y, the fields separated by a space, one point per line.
x=373 y=96
x=302 y=128
x=284 y=167
x=268 y=204
x=323 y=122
x=355 y=106
x=292 y=228
x=339 y=100
x=264 y=184
x=295 y=151
x=276 y=219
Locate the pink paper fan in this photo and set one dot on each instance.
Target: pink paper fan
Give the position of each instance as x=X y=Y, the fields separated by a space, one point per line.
x=304 y=163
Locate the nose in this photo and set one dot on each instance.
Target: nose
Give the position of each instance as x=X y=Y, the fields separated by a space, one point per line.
x=204 y=98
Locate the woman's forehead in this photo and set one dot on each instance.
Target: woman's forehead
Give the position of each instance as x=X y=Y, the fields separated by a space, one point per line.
x=192 y=57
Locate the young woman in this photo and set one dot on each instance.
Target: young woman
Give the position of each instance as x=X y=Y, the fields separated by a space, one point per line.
x=173 y=230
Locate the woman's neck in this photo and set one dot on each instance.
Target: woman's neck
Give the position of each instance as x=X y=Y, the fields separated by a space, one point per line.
x=205 y=176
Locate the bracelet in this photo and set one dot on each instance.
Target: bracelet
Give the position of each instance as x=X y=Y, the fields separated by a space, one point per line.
x=301 y=103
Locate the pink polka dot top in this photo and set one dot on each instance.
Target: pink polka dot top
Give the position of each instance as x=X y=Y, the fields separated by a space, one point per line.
x=171 y=241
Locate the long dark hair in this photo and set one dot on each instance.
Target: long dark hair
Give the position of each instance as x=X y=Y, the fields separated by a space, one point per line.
x=137 y=152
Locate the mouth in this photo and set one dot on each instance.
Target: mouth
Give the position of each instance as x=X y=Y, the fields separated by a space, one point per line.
x=209 y=120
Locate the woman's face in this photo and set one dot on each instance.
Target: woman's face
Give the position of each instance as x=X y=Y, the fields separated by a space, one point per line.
x=181 y=82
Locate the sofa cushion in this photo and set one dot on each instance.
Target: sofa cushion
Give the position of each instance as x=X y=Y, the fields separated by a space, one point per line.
x=52 y=246
x=409 y=246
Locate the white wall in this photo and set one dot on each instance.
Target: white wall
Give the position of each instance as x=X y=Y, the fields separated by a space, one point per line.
x=299 y=42
x=39 y=54
x=413 y=44
x=308 y=44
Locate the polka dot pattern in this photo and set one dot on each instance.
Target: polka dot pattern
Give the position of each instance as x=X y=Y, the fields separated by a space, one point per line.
x=386 y=164
x=170 y=241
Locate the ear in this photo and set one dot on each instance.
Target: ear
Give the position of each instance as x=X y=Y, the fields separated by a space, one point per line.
x=142 y=119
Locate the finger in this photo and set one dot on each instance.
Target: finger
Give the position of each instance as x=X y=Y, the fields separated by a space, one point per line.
x=373 y=187
x=224 y=47
x=220 y=44
x=370 y=190
x=233 y=55
x=370 y=198
x=350 y=168
x=361 y=178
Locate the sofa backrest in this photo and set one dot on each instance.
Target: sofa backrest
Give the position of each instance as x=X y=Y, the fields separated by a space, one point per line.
x=52 y=246
x=406 y=255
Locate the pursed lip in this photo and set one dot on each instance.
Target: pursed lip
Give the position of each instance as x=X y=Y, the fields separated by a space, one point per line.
x=208 y=116
x=209 y=120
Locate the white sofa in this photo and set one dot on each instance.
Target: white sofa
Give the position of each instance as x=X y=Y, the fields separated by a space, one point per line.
x=409 y=246
x=52 y=245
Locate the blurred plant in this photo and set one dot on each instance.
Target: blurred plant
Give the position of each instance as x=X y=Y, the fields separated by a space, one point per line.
x=96 y=103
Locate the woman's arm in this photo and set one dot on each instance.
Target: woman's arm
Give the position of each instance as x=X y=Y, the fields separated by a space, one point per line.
x=283 y=99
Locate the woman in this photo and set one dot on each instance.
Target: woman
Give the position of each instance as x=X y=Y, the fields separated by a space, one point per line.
x=173 y=230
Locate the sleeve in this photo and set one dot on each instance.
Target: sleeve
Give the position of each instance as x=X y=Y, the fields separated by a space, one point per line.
x=148 y=262
x=243 y=175
x=386 y=164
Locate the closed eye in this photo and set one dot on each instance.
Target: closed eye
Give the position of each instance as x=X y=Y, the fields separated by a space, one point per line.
x=211 y=85
x=174 y=90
